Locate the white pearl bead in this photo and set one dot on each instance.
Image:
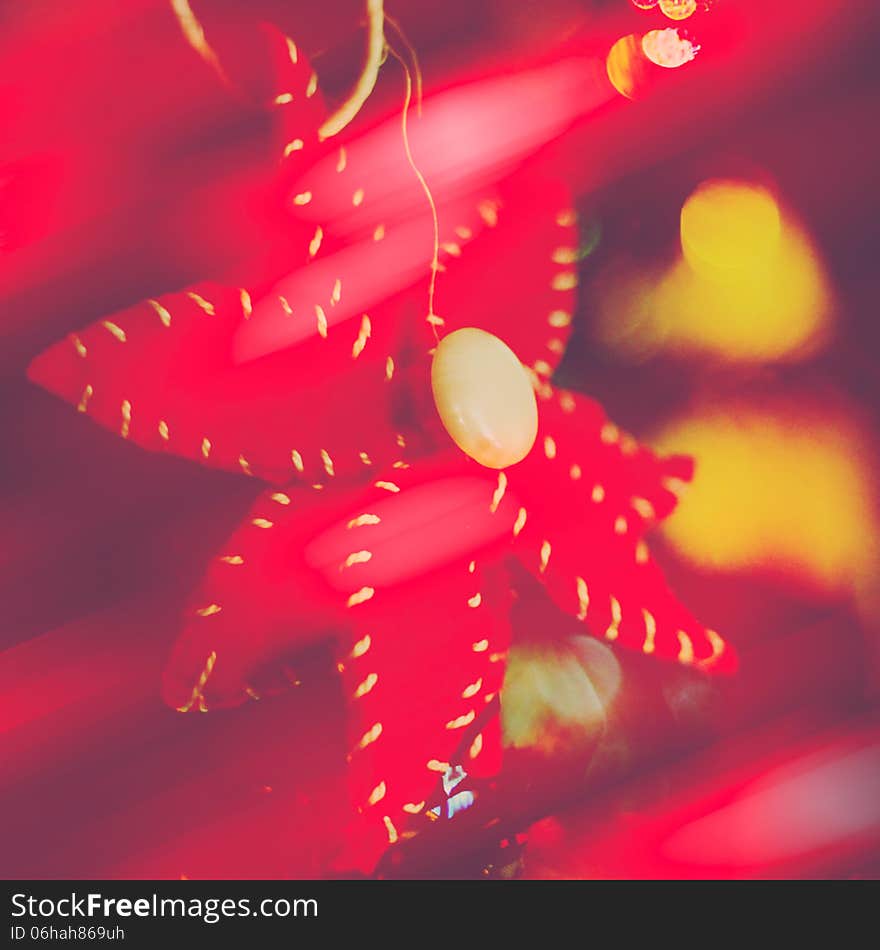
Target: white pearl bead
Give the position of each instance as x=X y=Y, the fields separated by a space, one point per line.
x=484 y=397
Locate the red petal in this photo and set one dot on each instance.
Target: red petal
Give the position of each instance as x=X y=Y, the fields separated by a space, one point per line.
x=589 y=493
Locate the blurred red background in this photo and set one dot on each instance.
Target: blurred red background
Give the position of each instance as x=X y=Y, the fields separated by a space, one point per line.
x=126 y=170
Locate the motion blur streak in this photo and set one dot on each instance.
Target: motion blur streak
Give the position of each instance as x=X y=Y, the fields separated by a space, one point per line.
x=811 y=803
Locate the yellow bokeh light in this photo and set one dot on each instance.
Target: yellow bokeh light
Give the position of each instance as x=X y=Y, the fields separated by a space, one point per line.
x=625 y=66
x=556 y=696
x=667 y=48
x=678 y=9
x=777 y=488
x=728 y=226
x=748 y=287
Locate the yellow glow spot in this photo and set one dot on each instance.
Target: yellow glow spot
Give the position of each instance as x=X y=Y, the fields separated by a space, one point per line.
x=209 y=611
x=567 y=280
x=357 y=199
x=206 y=447
x=667 y=48
x=435 y=765
x=644 y=508
x=125 y=411
x=377 y=794
x=363 y=335
x=413 y=808
x=476 y=600
x=87 y=394
x=196 y=696
x=400 y=440
x=365 y=458
x=389 y=369
x=312 y=86
x=556 y=346
x=321 y=320
x=583 y=595
x=195 y=35
x=550 y=447
x=362 y=520
x=234 y=559
x=686 y=648
x=616 y=616
x=361 y=647
x=291 y=50
x=283 y=99
x=564 y=255
x=263 y=523
x=256 y=697
x=476 y=747
x=472 y=567
x=567 y=218
x=79 y=346
x=598 y=494
x=610 y=433
x=297 y=460
x=361 y=596
x=357 y=557
x=545 y=556
x=642 y=553
x=451 y=248
x=729 y=226
x=620 y=525
x=280 y=498
x=626 y=66
x=559 y=319
x=791 y=487
x=244 y=465
x=575 y=472
x=303 y=198
x=480 y=646
x=379 y=232
x=370 y=736
x=520 y=522
x=246 y=305
x=315 y=243
x=488 y=211
x=543 y=368
x=650 y=632
x=327 y=462
x=294 y=146
x=342 y=161
x=749 y=286
x=164 y=433
x=718 y=647
x=336 y=293
x=201 y=303
x=366 y=686
x=161 y=312
x=567 y=402
x=678 y=9
x=114 y=330
x=473 y=689
x=387 y=486
x=498 y=494
x=392 y=831
x=462 y=721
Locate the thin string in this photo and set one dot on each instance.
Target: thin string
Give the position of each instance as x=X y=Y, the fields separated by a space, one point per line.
x=432 y=317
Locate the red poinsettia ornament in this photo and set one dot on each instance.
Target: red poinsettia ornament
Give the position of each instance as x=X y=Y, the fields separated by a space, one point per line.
x=404 y=477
